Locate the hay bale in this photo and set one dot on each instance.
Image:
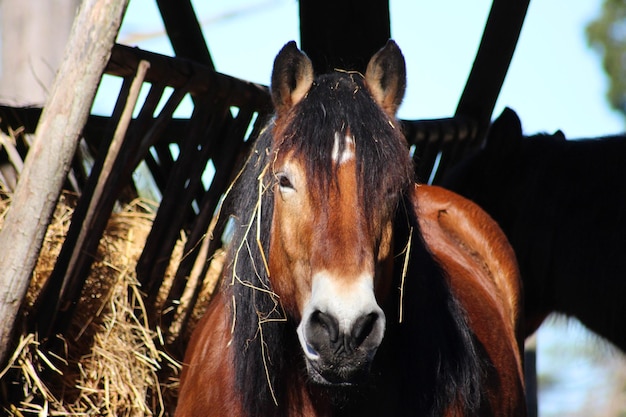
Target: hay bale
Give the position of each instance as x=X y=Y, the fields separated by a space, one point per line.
x=114 y=362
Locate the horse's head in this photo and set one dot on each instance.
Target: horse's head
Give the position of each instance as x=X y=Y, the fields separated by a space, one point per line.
x=340 y=166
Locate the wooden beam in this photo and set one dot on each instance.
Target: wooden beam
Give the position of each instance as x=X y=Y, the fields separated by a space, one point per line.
x=492 y=61
x=184 y=31
x=181 y=72
x=486 y=77
x=343 y=33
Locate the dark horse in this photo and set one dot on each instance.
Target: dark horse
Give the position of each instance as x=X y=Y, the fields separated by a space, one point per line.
x=349 y=290
x=562 y=204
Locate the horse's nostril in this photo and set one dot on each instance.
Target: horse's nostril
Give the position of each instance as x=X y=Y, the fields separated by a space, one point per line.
x=322 y=324
x=324 y=334
x=362 y=328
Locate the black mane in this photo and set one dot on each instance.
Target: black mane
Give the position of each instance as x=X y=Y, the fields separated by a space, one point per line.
x=339 y=103
x=251 y=290
x=435 y=343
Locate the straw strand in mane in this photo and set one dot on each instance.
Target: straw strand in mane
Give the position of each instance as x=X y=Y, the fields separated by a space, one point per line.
x=259 y=324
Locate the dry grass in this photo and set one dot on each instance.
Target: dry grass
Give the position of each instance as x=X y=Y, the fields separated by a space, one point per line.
x=114 y=362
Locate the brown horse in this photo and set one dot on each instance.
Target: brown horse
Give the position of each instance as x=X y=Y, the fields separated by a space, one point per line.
x=562 y=206
x=350 y=291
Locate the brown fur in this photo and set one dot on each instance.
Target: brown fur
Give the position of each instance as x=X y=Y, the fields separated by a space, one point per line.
x=483 y=274
x=207 y=360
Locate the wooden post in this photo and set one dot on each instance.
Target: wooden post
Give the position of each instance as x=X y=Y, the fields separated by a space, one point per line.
x=47 y=164
x=343 y=34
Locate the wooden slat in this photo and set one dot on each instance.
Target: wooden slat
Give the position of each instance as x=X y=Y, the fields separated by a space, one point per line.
x=227 y=153
x=196 y=78
x=175 y=208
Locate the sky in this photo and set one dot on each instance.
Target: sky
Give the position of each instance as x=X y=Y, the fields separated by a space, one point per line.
x=555 y=81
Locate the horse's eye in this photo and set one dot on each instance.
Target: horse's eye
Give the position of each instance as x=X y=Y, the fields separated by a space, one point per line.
x=284 y=182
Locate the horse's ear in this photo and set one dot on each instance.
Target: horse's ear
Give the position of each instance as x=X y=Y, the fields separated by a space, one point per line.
x=505 y=133
x=386 y=77
x=292 y=77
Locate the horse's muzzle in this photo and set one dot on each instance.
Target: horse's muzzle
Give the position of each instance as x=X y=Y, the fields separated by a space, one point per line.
x=340 y=351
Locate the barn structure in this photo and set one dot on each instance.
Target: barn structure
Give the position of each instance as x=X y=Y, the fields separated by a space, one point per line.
x=177 y=151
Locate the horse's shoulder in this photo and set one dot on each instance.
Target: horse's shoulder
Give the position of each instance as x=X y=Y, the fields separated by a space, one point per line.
x=480 y=265
x=460 y=230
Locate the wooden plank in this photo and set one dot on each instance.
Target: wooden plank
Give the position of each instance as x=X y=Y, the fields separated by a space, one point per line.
x=45 y=308
x=49 y=159
x=486 y=77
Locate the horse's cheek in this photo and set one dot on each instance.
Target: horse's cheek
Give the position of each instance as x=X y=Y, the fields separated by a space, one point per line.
x=287 y=263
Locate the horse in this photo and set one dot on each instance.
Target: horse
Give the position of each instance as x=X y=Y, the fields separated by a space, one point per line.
x=560 y=204
x=349 y=289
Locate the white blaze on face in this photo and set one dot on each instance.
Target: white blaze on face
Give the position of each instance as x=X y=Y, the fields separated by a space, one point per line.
x=348 y=149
